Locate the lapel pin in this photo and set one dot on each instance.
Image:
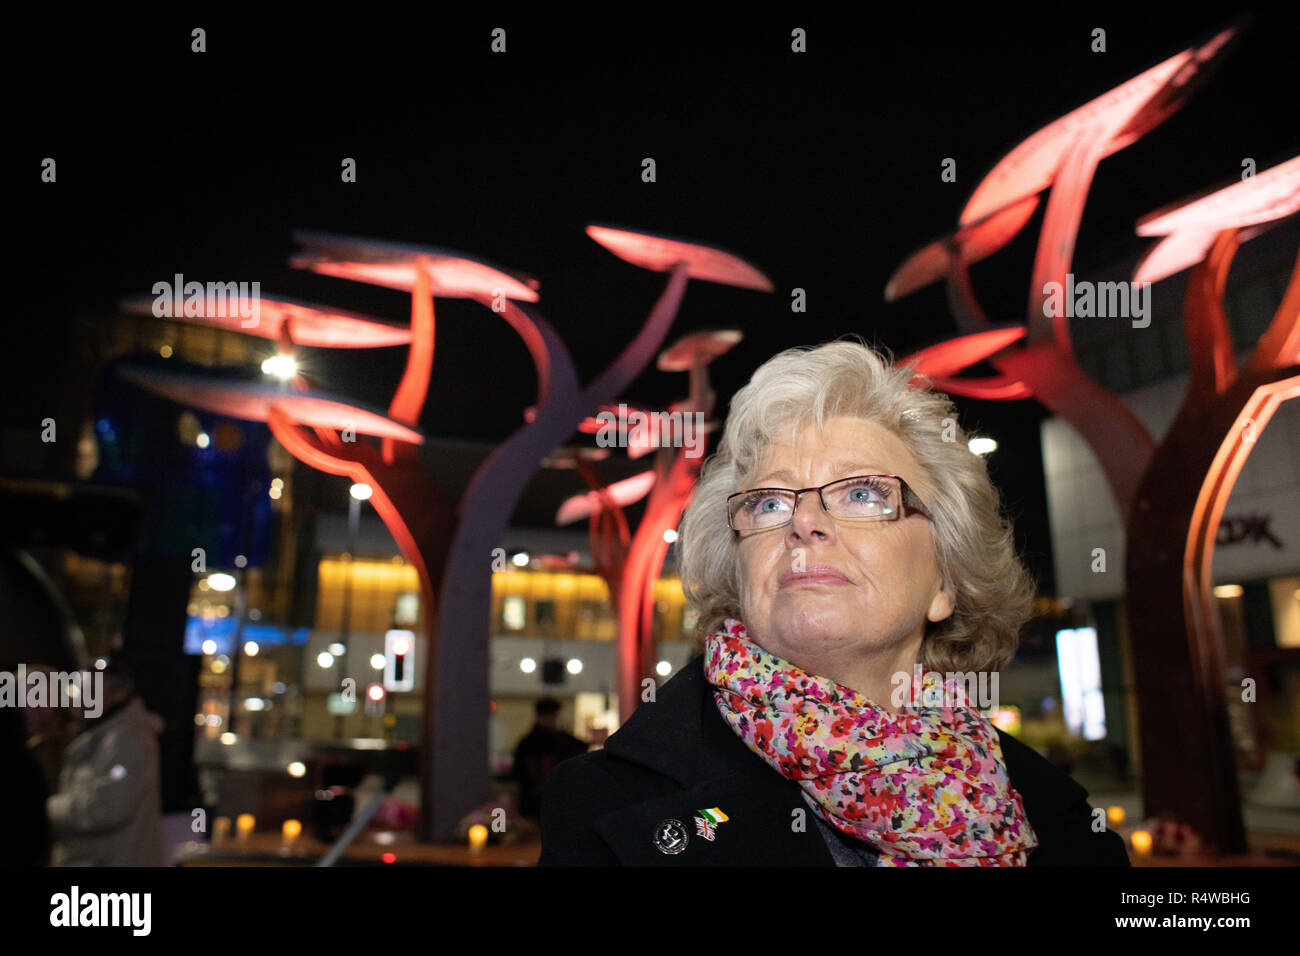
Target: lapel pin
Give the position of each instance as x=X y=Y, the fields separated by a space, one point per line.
x=670 y=837
x=707 y=822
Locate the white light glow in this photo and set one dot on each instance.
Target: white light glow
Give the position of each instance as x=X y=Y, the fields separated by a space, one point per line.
x=1079 y=666
x=281 y=366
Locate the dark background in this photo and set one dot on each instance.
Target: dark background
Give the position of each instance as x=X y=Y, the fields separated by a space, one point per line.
x=822 y=169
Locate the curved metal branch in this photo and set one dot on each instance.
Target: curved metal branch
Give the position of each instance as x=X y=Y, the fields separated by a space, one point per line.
x=1280 y=343
x=408 y=400
x=966 y=309
x=629 y=364
x=1059 y=230
x=1208 y=339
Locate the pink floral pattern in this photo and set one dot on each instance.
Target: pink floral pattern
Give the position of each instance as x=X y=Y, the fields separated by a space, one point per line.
x=926 y=786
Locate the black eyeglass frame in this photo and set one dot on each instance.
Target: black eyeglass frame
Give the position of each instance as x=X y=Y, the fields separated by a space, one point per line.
x=909 y=502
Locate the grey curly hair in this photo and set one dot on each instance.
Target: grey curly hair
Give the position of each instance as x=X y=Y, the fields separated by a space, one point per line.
x=974 y=543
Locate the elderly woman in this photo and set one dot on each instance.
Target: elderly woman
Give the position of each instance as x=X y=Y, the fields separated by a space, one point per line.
x=841 y=542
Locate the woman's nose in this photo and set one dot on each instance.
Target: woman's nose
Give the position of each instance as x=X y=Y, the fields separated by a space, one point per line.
x=809 y=517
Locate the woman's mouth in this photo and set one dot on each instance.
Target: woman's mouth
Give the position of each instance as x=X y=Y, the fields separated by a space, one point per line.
x=815 y=575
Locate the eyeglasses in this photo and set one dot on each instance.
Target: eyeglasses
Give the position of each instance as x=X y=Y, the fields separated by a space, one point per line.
x=861 y=498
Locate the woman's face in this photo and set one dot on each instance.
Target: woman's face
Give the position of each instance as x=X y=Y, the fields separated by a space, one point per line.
x=890 y=579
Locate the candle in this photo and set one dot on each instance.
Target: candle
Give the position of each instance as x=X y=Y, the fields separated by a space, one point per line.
x=478 y=835
x=221 y=829
x=291 y=830
x=1141 y=841
x=1115 y=816
x=244 y=823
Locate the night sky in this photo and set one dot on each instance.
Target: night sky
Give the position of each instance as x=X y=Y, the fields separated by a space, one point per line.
x=821 y=169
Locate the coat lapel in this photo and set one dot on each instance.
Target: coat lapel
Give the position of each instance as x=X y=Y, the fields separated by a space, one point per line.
x=681 y=734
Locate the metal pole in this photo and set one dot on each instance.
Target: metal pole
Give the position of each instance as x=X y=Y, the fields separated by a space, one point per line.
x=354 y=522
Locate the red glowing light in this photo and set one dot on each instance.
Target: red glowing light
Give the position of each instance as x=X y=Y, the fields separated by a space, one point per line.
x=393 y=265
x=253 y=402
x=376 y=692
x=1190 y=225
x=973 y=242
x=953 y=355
x=1123 y=115
x=660 y=253
x=622 y=493
x=313 y=325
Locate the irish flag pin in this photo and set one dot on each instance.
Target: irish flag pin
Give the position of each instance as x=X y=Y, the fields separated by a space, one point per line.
x=707 y=821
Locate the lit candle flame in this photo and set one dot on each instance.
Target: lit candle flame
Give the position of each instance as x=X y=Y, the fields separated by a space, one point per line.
x=478 y=835
x=1141 y=841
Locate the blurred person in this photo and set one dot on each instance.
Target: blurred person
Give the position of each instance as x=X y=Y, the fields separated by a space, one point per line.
x=842 y=536
x=24 y=828
x=108 y=811
x=49 y=731
x=540 y=750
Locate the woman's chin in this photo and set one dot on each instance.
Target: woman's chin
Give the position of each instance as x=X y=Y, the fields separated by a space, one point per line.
x=805 y=624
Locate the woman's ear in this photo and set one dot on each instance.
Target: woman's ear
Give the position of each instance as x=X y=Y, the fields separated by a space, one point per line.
x=941 y=607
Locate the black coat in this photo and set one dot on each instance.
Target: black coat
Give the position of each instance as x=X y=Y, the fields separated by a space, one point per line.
x=676 y=756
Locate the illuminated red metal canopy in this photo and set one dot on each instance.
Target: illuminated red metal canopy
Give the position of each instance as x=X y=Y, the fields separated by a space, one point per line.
x=623 y=493
x=941 y=361
x=974 y=242
x=953 y=355
x=698 y=348
x=253 y=402
x=1134 y=107
x=660 y=253
x=392 y=265
x=1190 y=225
x=314 y=325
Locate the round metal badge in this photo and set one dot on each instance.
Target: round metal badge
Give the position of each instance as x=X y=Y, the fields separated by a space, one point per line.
x=671 y=836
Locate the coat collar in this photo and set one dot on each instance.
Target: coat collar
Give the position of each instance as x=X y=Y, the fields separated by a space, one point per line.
x=682 y=736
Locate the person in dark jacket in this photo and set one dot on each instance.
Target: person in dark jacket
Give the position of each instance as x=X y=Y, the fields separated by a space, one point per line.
x=24 y=828
x=853 y=577
x=107 y=811
x=538 y=753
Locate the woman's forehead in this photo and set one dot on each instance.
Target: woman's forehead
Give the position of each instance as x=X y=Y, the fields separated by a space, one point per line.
x=844 y=444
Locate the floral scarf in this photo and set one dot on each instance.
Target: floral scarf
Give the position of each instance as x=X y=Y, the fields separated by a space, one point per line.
x=927 y=786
